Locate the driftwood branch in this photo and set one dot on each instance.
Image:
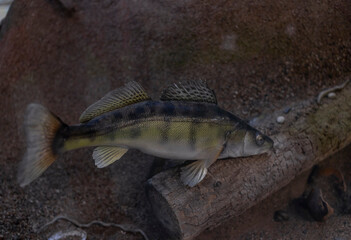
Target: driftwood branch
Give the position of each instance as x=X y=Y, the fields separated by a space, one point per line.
x=311 y=133
x=124 y=227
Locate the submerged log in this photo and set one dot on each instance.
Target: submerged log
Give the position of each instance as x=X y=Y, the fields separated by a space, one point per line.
x=310 y=134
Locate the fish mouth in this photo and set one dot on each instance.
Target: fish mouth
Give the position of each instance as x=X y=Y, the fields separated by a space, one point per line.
x=271 y=143
x=273 y=150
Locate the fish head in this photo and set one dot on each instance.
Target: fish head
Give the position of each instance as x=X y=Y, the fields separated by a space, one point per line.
x=256 y=142
x=247 y=142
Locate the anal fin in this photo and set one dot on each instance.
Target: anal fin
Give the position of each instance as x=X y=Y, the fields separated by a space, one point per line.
x=107 y=155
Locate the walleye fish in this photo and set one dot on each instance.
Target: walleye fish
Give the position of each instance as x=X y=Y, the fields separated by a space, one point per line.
x=185 y=124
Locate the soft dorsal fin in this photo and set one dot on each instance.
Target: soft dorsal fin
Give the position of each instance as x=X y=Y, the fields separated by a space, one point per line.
x=131 y=93
x=194 y=91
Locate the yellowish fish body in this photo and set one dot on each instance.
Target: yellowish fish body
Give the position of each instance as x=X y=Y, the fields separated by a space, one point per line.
x=161 y=134
x=186 y=124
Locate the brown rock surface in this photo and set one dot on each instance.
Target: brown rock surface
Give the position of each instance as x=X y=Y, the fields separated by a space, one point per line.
x=257 y=55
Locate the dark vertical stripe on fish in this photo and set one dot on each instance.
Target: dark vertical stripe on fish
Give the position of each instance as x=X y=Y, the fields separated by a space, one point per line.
x=118 y=116
x=112 y=135
x=167 y=109
x=132 y=115
x=192 y=135
x=86 y=130
x=183 y=111
x=150 y=106
x=165 y=130
x=135 y=132
x=140 y=110
x=199 y=111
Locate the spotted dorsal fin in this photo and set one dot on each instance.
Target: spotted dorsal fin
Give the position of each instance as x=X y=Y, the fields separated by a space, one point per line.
x=131 y=93
x=193 y=91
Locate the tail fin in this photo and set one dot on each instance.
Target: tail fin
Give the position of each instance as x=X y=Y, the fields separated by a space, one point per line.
x=44 y=141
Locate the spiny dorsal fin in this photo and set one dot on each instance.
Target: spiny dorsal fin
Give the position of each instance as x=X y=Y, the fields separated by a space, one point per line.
x=194 y=91
x=131 y=93
x=106 y=155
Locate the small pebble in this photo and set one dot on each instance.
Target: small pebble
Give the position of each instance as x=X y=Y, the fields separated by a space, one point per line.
x=217 y=184
x=331 y=95
x=280 y=119
x=244 y=112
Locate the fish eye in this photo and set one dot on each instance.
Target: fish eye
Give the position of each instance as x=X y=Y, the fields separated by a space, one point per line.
x=259 y=139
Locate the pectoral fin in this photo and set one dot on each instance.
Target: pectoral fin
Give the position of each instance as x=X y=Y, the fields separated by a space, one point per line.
x=195 y=172
x=105 y=156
